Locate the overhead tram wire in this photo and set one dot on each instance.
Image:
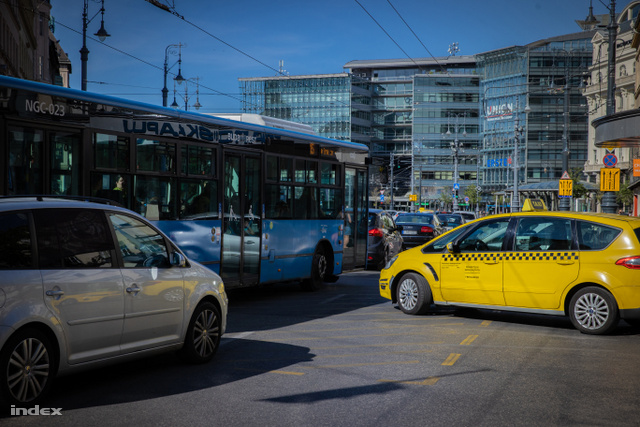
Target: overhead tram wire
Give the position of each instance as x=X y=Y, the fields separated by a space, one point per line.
x=388 y=35
x=418 y=38
x=143 y=61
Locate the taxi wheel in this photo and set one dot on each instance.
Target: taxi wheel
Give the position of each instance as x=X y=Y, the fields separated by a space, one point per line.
x=593 y=311
x=414 y=294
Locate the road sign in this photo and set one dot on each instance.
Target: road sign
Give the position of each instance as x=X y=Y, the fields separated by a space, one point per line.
x=609 y=179
x=610 y=160
x=466 y=200
x=565 y=175
x=413 y=197
x=456 y=186
x=565 y=188
x=382 y=197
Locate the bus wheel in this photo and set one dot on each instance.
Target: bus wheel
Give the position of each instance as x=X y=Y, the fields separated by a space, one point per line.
x=319 y=270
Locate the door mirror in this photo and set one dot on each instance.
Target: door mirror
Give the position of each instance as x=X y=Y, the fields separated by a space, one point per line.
x=178 y=259
x=452 y=248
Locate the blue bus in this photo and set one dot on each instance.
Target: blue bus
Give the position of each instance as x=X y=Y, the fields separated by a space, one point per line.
x=256 y=204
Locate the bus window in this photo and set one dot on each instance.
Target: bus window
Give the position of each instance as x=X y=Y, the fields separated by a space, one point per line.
x=278 y=201
x=198 y=161
x=329 y=174
x=25 y=161
x=65 y=176
x=199 y=199
x=305 y=203
x=111 y=152
x=113 y=186
x=155 y=156
x=153 y=197
x=330 y=203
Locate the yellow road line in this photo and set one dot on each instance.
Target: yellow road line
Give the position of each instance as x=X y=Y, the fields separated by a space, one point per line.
x=469 y=340
x=286 y=372
x=351 y=365
x=485 y=323
x=453 y=358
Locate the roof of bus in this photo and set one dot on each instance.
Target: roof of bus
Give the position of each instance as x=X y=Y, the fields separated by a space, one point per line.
x=170 y=112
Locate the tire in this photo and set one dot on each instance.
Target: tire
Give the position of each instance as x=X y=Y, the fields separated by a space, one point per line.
x=593 y=311
x=27 y=368
x=203 y=335
x=413 y=294
x=319 y=270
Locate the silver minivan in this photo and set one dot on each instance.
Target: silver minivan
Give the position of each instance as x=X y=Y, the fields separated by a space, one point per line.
x=84 y=284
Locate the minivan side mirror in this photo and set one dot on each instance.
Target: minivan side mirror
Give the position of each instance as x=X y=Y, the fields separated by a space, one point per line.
x=178 y=259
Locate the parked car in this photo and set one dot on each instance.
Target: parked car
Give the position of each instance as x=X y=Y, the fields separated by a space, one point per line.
x=418 y=228
x=84 y=284
x=467 y=215
x=384 y=241
x=582 y=265
x=451 y=221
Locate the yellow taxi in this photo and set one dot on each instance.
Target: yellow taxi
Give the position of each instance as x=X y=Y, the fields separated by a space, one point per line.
x=582 y=265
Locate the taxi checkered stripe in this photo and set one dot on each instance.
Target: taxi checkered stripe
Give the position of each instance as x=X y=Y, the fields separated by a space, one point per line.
x=512 y=256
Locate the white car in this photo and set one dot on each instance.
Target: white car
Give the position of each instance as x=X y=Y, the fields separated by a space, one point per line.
x=83 y=283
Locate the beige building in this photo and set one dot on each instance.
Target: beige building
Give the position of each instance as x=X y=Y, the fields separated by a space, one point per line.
x=596 y=91
x=28 y=49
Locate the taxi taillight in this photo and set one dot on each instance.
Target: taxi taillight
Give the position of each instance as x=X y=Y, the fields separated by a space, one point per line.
x=632 y=262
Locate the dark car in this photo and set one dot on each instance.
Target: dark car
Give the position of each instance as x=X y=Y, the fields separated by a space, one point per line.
x=384 y=241
x=418 y=228
x=451 y=221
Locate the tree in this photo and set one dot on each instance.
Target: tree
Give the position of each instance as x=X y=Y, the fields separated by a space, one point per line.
x=446 y=199
x=625 y=195
x=472 y=193
x=579 y=190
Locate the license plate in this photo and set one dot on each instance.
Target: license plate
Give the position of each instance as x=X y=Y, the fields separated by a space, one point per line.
x=409 y=232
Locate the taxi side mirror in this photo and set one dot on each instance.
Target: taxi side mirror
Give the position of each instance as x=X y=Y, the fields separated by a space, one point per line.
x=452 y=248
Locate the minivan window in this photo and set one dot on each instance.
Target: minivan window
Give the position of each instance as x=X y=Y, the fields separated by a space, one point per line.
x=73 y=238
x=543 y=234
x=15 y=241
x=140 y=245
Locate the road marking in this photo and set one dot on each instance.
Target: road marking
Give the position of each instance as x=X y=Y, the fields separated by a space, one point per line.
x=469 y=340
x=485 y=323
x=353 y=365
x=227 y=338
x=269 y=372
x=285 y=372
x=427 y=381
x=453 y=358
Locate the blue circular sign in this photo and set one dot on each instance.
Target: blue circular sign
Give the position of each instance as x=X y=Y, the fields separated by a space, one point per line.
x=610 y=160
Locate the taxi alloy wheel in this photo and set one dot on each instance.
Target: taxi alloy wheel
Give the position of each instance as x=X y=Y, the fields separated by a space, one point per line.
x=593 y=311
x=414 y=294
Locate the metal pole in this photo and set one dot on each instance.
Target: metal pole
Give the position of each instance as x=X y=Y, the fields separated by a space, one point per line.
x=84 y=52
x=608 y=203
x=565 y=202
x=165 y=91
x=391 y=166
x=413 y=205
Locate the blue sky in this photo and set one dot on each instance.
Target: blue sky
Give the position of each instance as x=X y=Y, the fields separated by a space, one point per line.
x=310 y=36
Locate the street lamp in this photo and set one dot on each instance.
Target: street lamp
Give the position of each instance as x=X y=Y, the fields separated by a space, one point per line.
x=455 y=147
x=101 y=34
x=519 y=130
x=186 y=96
x=179 y=79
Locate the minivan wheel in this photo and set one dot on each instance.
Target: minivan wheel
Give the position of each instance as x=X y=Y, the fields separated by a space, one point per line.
x=27 y=367
x=593 y=311
x=203 y=335
x=413 y=294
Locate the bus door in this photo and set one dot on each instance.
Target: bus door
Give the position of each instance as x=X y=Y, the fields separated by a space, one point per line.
x=356 y=226
x=241 y=222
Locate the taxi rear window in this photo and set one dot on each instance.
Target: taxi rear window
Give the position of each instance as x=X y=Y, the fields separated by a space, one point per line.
x=637 y=231
x=593 y=236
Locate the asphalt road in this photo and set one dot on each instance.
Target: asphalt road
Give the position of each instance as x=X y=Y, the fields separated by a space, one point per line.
x=344 y=356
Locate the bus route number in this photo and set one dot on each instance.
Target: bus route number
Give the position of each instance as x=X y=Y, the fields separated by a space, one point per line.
x=44 y=108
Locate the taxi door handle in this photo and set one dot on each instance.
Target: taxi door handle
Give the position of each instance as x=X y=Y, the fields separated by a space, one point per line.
x=491 y=261
x=566 y=262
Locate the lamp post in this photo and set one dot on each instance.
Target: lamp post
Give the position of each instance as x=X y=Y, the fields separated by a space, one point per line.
x=101 y=34
x=455 y=147
x=179 y=79
x=186 y=96
x=518 y=130
x=608 y=203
